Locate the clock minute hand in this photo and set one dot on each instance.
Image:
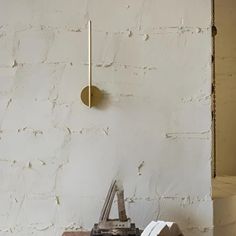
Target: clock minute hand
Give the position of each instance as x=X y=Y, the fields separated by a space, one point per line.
x=90 y=63
x=90 y=95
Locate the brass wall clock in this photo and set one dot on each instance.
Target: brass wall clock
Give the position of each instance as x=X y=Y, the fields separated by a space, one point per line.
x=90 y=95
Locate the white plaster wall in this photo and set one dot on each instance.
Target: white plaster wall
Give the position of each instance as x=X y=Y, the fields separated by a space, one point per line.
x=152 y=59
x=225 y=86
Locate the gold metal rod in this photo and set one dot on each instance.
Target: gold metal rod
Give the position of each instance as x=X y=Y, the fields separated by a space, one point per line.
x=90 y=62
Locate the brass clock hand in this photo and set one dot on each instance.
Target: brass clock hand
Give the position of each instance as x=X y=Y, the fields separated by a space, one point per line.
x=89 y=62
x=90 y=95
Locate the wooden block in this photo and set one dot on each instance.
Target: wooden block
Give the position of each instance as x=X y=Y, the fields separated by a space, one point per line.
x=174 y=229
x=78 y=233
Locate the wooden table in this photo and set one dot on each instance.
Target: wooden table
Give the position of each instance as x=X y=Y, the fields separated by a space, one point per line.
x=79 y=233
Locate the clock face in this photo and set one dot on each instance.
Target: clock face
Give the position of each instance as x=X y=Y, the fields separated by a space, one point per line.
x=95 y=96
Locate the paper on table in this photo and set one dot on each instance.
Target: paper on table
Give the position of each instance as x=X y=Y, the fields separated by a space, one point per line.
x=158 y=228
x=162 y=228
x=148 y=230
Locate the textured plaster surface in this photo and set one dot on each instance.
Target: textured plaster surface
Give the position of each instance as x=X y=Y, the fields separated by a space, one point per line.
x=152 y=60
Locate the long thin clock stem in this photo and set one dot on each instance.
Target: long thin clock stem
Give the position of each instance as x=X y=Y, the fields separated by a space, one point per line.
x=90 y=62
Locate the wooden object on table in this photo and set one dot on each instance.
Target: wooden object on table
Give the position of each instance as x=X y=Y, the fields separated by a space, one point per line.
x=78 y=233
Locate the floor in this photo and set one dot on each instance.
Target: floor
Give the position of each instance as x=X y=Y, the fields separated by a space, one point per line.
x=224 y=186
